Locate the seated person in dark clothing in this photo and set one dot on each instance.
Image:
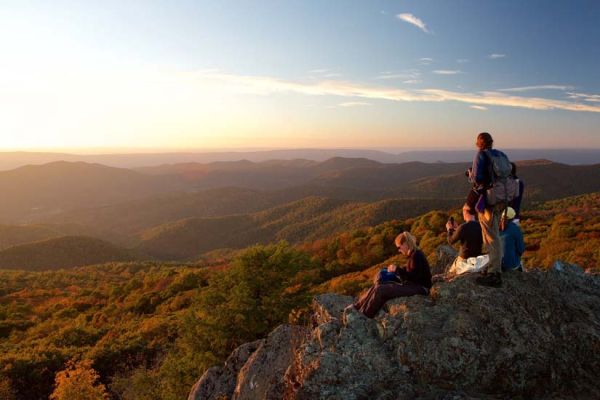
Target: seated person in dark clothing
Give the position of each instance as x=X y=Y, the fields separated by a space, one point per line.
x=467 y=234
x=414 y=279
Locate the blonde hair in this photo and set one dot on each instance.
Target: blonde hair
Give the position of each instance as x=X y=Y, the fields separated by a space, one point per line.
x=409 y=239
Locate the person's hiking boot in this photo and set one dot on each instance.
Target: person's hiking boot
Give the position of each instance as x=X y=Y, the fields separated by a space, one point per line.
x=492 y=280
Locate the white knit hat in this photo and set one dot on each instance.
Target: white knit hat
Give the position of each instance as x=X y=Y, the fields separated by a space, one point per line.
x=509 y=213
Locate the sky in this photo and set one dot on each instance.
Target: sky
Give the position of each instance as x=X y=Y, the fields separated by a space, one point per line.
x=202 y=75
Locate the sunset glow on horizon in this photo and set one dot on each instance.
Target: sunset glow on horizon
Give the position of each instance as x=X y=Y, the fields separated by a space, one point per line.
x=215 y=75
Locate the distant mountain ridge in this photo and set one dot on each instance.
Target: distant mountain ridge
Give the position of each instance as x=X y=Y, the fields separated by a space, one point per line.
x=126 y=202
x=13 y=235
x=10 y=160
x=62 y=252
x=40 y=190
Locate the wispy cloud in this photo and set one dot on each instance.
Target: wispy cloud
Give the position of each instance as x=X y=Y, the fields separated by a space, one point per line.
x=425 y=61
x=412 y=74
x=462 y=60
x=481 y=108
x=594 y=98
x=411 y=19
x=318 y=71
x=447 y=72
x=412 y=81
x=537 y=87
x=268 y=85
x=393 y=76
x=354 y=104
x=495 y=56
x=323 y=73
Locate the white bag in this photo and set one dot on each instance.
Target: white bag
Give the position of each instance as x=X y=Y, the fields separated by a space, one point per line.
x=472 y=264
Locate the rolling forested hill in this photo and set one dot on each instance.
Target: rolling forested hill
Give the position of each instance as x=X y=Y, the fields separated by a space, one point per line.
x=12 y=235
x=307 y=219
x=135 y=216
x=36 y=191
x=62 y=252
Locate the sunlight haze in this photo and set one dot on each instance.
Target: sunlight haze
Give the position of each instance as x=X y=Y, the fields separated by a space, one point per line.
x=207 y=75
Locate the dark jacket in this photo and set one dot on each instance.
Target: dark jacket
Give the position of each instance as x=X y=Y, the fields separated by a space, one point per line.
x=417 y=270
x=513 y=244
x=470 y=238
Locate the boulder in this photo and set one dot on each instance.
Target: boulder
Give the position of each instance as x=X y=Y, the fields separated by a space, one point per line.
x=329 y=307
x=445 y=257
x=254 y=370
x=220 y=382
x=262 y=376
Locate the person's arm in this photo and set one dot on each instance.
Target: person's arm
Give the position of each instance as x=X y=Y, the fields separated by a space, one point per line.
x=479 y=169
x=401 y=272
x=417 y=269
x=455 y=235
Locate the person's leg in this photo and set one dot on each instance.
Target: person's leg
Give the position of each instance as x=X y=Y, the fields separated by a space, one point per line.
x=454 y=268
x=490 y=221
x=379 y=294
x=364 y=297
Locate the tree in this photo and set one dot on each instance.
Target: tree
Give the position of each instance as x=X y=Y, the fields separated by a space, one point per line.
x=239 y=305
x=78 y=382
x=6 y=391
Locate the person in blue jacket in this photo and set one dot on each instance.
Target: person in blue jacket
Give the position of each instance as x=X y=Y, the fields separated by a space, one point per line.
x=516 y=202
x=512 y=242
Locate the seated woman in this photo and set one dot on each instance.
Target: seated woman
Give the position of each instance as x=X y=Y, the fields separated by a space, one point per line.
x=414 y=279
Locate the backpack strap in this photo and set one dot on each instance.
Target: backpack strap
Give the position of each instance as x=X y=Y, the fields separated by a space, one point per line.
x=490 y=168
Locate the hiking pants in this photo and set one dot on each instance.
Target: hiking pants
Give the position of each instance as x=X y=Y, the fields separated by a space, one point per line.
x=376 y=296
x=489 y=220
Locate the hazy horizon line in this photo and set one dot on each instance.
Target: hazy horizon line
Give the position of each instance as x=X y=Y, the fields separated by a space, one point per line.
x=159 y=150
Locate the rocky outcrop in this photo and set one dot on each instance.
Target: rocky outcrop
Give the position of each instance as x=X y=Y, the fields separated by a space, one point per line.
x=445 y=256
x=254 y=370
x=262 y=377
x=536 y=337
x=220 y=382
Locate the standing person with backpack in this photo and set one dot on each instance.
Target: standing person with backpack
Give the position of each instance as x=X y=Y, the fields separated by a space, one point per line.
x=491 y=179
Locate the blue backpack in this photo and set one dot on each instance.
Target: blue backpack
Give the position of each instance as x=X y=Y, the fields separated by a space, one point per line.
x=384 y=276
